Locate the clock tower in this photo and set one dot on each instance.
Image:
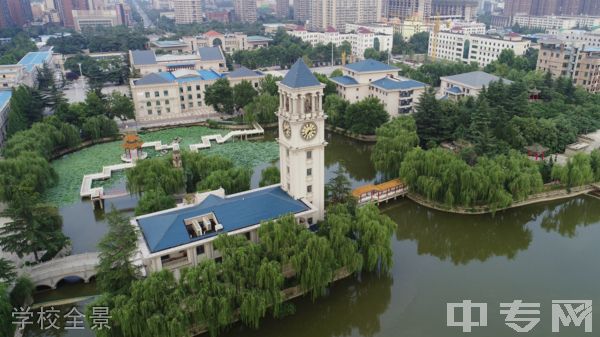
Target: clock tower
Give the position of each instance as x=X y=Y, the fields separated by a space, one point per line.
x=302 y=137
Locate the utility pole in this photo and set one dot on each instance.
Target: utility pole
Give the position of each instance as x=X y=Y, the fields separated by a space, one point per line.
x=332 y=54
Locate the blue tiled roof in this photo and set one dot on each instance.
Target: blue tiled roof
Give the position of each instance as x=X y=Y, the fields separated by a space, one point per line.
x=168 y=77
x=243 y=72
x=390 y=84
x=344 y=80
x=169 y=43
x=299 y=76
x=154 y=78
x=4 y=98
x=141 y=57
x=369 y=65
x=167 y=230
x=209 y=74
x=32 y=59
x=258 y=38
x=210 y=54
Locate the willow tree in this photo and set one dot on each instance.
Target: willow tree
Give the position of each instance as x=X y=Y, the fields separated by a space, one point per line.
x=117 y=248
x=269 y=176
x=314 y=264
x=338 y=229
x=233 y=180
x=210 y=302
x=152 y=308
x=280 y=238
x=27 y=172
x=577 y=172
x=394 y=139
x=373 y=231
x=154 y=201
x=197 y=166
x=153 y=174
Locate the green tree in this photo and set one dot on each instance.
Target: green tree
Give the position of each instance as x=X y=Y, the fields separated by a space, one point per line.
x=116 y=271
x=365 y=116
x=577 y=172
x=268 y=85
x=314 y=264
x=34 y=227
x=372 y=53
x=429 y=118
x=22 y=291
x=154 y=201
x=336 y=73
x=220 y=96
x=480 y=131
x=269 y=176
x=94 y=104
x=374 y=231
x=197 y=167
x=27 y=172
x=338 y=189
x=7 y=271
x=419 y=42
x=232 y=180
x=335 y=108
x=97 y=127
x=155 y=174
x=243 y=93
x=120 y=106
x=262 y=109
x=394 y=139
x=26 y=108
x=6 y=309
x=329 y=85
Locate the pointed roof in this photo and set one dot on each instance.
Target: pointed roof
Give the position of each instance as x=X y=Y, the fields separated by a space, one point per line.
x=299 y=76
x=243 y=72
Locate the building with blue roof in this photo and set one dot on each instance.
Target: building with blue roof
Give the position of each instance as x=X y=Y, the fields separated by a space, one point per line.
x=36 y=59
x=371 y=78
x=183 y=236
x=5 y=96
x=25 y=71
x=167 y=95
x=467 y=84
x=144 y=62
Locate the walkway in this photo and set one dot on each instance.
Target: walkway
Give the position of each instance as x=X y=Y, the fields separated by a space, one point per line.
x=50 y=273
x=86 y=190
x=379 y=193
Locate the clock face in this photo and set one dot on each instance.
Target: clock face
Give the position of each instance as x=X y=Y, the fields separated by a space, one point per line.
x=287 y=129
x=308 y=130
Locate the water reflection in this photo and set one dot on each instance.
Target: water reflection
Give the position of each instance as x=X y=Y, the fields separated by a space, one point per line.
x=352 y=308
x=461 y=239
x=34 y=330
x=354 y=156
x=566 y=217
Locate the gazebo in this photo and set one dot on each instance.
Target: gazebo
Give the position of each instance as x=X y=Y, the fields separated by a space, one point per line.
x=132 y=145
x=536 y=150
x=534 y=94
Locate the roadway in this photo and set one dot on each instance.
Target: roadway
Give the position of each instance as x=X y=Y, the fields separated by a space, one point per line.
x=147 y=22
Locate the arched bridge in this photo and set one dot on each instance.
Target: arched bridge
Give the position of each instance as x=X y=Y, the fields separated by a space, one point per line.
x=52 y=272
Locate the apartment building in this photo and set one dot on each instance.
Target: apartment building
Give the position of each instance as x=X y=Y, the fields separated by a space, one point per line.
x=25 y=71
x=83 y=19
x=188 y=11
x=468 y=84
x=360 y=40
x=337 y=13
x=245 y=10
x=464 y=27
x=370 y=78
x=452 y=9
x=409 y=9
x=590 y=39
x=229 y=42
x=302 y=10
x=576 y=61
x=173 y=94
x=282 y=8
x=483 y=49
x=144 y=62
x=556 y=22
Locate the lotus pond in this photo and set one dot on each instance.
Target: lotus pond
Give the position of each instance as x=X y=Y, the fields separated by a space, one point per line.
x=72 y=167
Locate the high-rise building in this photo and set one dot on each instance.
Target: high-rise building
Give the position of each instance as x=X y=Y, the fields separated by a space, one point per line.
x=65 y=10
x=327 y=14
x=512 y=7
x=404 y=9
x=282 y=8
x=245 y=10
x=302 y=10
x=188 y=11
x=15 y=13
x=590 y=7
x=455 y=9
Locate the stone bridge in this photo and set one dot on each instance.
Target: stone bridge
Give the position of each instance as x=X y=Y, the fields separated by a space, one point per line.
x=50 y=273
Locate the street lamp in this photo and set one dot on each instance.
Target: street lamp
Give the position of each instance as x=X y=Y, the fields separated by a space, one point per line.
x=80 y=72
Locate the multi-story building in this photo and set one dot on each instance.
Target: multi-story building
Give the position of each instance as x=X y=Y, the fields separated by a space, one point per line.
x=455 y=9
x=590 y=39
x=245 y=10
x=550 y=22
x=376 y=28
x=188 y=11
x=464 y=27
x=25 y=71
x=167 y=5
x=336 y=13
x=370 y=78
x=302 y=10
x=220 y=16
x=15 y=13
x=551 y=7
x=5 y=96
x=83 y=19
x=184 y=236
x=65 y=10
x=173 y=94
x=409 y=27
x=144 y=62
x=409 y=9
x=229 y=42
x=483 y=49
x=360 y=41
x=573 y=60
x=468 y=84
x=282 y=8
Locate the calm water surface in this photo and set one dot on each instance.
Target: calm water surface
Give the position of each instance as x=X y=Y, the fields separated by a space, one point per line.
x=535 y=253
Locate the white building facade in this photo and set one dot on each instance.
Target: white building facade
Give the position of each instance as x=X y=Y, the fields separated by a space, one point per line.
x=360 y=41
